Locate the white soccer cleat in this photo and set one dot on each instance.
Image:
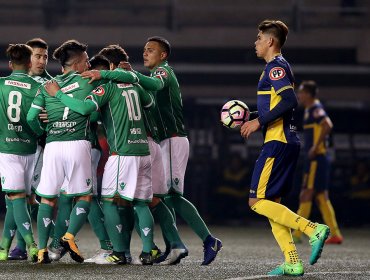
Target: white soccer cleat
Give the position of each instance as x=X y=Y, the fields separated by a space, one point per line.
x=99 y=257
x=55 y=254
x=175 y=256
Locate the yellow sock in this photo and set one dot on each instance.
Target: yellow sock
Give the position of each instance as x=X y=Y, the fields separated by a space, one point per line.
x=328 y=214
x=284 y=239
x=282 y=215
x=304 y=211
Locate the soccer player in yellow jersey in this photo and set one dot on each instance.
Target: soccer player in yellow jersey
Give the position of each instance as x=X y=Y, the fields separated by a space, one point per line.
x=316 y=128
x=274 y=169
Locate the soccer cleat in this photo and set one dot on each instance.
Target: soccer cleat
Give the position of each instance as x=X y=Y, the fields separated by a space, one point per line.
x=3 y=254
x=146 y=258
x=288 y=269
x=33 y=252
x=56 y=254
x=211 y=247
x=175 y=256
x=17 y=254
x=128 y=257
x=99 y=256
x=334 y=240
x=113 y=258
x=68 y=242
x=43 y=257
x=317 y=242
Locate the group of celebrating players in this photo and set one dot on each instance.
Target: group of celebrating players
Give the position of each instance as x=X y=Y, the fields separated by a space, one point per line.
x=49 y=148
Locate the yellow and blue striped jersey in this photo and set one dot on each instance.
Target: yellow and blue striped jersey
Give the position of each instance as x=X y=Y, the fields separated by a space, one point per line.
x=276 y=78
x=313 y=116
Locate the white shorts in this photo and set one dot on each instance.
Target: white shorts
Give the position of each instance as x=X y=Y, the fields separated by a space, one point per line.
x=16 y=172
x=95 y=157
x=66 y=161
x=37 y=168
x=129 y=177
x=158 y=180
x=175 y=155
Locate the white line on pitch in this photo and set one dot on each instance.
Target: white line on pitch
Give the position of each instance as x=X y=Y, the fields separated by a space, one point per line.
x=308 y=273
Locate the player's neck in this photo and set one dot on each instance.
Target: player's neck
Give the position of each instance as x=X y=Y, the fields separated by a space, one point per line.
x=271 y=55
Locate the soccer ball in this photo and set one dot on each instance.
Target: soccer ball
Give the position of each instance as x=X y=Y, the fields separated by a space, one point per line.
x=234 y=113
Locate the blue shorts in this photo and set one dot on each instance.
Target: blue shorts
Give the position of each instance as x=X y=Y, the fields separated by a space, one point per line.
x=273 y=172
x=316 y=173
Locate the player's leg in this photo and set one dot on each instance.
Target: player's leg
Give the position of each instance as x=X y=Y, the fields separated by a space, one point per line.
x=127 y=215
x=96 y=216
x=175 y=152
x=80 y=187
x=272 y=177
x=161 y=212
x=9 y=230
x=328 y=215
x=65 y=205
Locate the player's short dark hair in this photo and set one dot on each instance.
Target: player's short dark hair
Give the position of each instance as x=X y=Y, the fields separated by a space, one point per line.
x=166 y=46
x=37 y=43
x=99 y=60
x=69 y=50
x=115 y=54
x=276 y=28
x=309 y=86
x=19 y=54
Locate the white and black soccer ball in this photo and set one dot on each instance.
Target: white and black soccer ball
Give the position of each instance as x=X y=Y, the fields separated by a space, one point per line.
x=234 y=113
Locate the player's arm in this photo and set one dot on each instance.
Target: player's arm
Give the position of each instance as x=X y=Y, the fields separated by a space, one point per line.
x=150 y=83
x=288 y=102
x=118 y=75
x=146 y=99
x=326 y=127
x=33 y=115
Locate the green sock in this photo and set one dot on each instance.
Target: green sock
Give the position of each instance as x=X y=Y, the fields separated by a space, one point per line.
x=126 y=214
x=78 y=216
x=10 y=226
x=23 y=220
x=21 y=244
x=146 y=223
x=65 y=204
x=96 y=220
x=113 y=225
x=163 y=215
x=44 y=221
x=189 y=213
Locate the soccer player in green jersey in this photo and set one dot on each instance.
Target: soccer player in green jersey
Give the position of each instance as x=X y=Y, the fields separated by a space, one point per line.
x=17 y=147
x=173 y=139
x=274 y=170
x=128 y=171
x=39 y=61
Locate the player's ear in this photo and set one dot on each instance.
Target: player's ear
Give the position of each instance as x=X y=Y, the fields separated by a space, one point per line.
x=111 y=66
x=10 y=65
x=163 y=55
x=271 y=41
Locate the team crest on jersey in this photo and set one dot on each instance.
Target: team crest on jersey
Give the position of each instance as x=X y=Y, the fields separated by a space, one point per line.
x=277 y=73
x=161 y=72
x=99 y=91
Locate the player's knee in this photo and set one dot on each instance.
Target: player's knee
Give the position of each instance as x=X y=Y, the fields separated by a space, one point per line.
x=49 y=201
x=16 y=195
x=306 y=195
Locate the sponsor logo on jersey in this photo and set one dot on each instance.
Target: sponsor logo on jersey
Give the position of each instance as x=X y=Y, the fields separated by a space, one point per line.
x=99 y=91
x=70 y=87
x=146 y=231
x=16 y=139
x=17 y=128
x=137 y=141
x=277 y=73
x=12 y=232
x=135 y=130
x=64 y=124
x=161 y=72
x=46 y=221
x=80 y=210
x=17 y=84
x=26 y=225
x=123 y=85
x=119 y=228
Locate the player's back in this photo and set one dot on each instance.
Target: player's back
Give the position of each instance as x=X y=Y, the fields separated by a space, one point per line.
x=122 y=118
x=65 y=124
x=17 y=92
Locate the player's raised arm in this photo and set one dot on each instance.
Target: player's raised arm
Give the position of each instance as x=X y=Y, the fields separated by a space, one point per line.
x=118 y=75
x=151 y=83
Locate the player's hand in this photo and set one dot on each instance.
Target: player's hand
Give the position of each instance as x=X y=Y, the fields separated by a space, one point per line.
x=93 y=75
x=43 y=116
x=51 y=87
x=249 y=127
x=125 y=65
x=312 y=153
